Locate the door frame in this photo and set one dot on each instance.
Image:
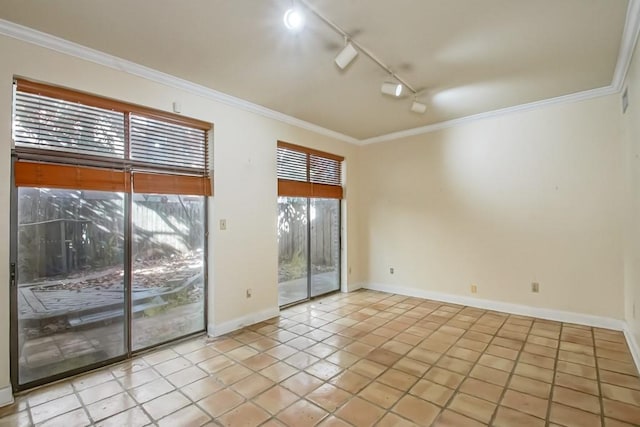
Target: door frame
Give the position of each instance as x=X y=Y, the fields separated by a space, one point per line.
x=14 y=353
x=338 y=259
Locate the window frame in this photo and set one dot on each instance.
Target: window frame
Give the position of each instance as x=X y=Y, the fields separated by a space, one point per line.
x=125 y=164
x=309 y=187
x=33 y=167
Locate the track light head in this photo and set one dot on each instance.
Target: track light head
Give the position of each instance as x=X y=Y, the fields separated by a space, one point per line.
x=390 y=88
x=418 y=107
x=293 y=19
x=346 y=56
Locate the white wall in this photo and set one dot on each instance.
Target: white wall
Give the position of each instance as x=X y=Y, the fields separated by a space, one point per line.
x=631 y=140
x=244 y=158
x=502 y=202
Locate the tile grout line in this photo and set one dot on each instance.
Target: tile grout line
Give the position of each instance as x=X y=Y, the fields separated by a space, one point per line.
x=442 y=408
x=178 y=389
x=484 y=312
x=511 y=373
x=236 y=362
x=353 y=395
x=595 y=358
x=555 y=373
x=597 y=368
x=84 y=407
x=329 y=413
x=349 y=308
x=452 y=345
x=407 y=392
x=175 y=388
x=273 y=417
x=139 y=404
x=371 y=380
x=445 y=406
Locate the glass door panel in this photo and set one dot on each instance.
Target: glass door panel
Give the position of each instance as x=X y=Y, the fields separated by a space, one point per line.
x=293 y=281
x=168 y=268
x=70 y=280
x=325 y=246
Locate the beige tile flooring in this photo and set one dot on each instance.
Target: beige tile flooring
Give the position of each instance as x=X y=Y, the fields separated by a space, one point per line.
x=364 y=358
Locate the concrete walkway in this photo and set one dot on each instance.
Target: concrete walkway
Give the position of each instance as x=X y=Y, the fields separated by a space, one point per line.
x=296 y=289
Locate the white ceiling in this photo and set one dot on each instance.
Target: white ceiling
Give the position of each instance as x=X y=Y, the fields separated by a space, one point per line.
x=470 y=56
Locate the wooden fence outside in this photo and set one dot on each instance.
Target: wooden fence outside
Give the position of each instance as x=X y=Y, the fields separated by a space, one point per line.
x=62 y=232
x=325 y=235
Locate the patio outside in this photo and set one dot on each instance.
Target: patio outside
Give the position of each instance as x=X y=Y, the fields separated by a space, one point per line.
x=71 y=276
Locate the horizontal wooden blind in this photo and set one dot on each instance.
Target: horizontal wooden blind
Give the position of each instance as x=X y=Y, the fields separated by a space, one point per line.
x=47 y=175
x=292 y=164
x=154 y=142
x=323 y=170
x=171 y=184
x=54 y=124
x=32 y=174
x=166 y=153
x=304 y=172
x=26 y=86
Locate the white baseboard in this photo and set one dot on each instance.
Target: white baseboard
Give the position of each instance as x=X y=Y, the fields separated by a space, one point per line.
x=215 y=330
x=522 y=310
x=353 y=287
x=6 y=396
x=633 y=345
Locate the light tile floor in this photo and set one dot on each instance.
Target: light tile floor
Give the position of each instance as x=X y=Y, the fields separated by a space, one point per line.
x=365 y=358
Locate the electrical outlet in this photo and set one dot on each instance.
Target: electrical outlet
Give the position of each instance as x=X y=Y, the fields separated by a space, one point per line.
x=474 y=288
x=391 y=270
x=249 y=292
x=223 y=224
x=535 y=287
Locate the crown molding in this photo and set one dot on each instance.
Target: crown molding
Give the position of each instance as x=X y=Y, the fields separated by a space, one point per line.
x=67 y=47
x=625 y=55
x=627 y=44
x=579 y=96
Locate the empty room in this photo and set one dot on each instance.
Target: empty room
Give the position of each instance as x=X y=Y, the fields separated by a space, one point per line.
x=313 y=212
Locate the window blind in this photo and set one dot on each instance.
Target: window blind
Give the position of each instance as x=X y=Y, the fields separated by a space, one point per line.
x=33 y=174
x=54 y=124
x=80 y=141
x=304 y=172
x=292 y=164
x=154 y=142
x=171 y=184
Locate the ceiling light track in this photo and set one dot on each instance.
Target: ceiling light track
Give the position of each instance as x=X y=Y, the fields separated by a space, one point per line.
x=361 y=48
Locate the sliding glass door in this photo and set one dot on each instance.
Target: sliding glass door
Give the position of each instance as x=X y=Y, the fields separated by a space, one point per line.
x=70 y=288
x=70 y=271
x=293 y=259
x=168 y=268
x=108 y=250
x=325 y=245
x=310 y=191
x=308 y=248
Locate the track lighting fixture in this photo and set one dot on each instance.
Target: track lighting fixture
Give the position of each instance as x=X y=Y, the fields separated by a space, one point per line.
x=393 y=89
x=346 y=55
x=294 y=21
x=418 y=107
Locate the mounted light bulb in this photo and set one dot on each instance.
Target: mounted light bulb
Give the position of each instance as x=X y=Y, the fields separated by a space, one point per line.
x=293 y=19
